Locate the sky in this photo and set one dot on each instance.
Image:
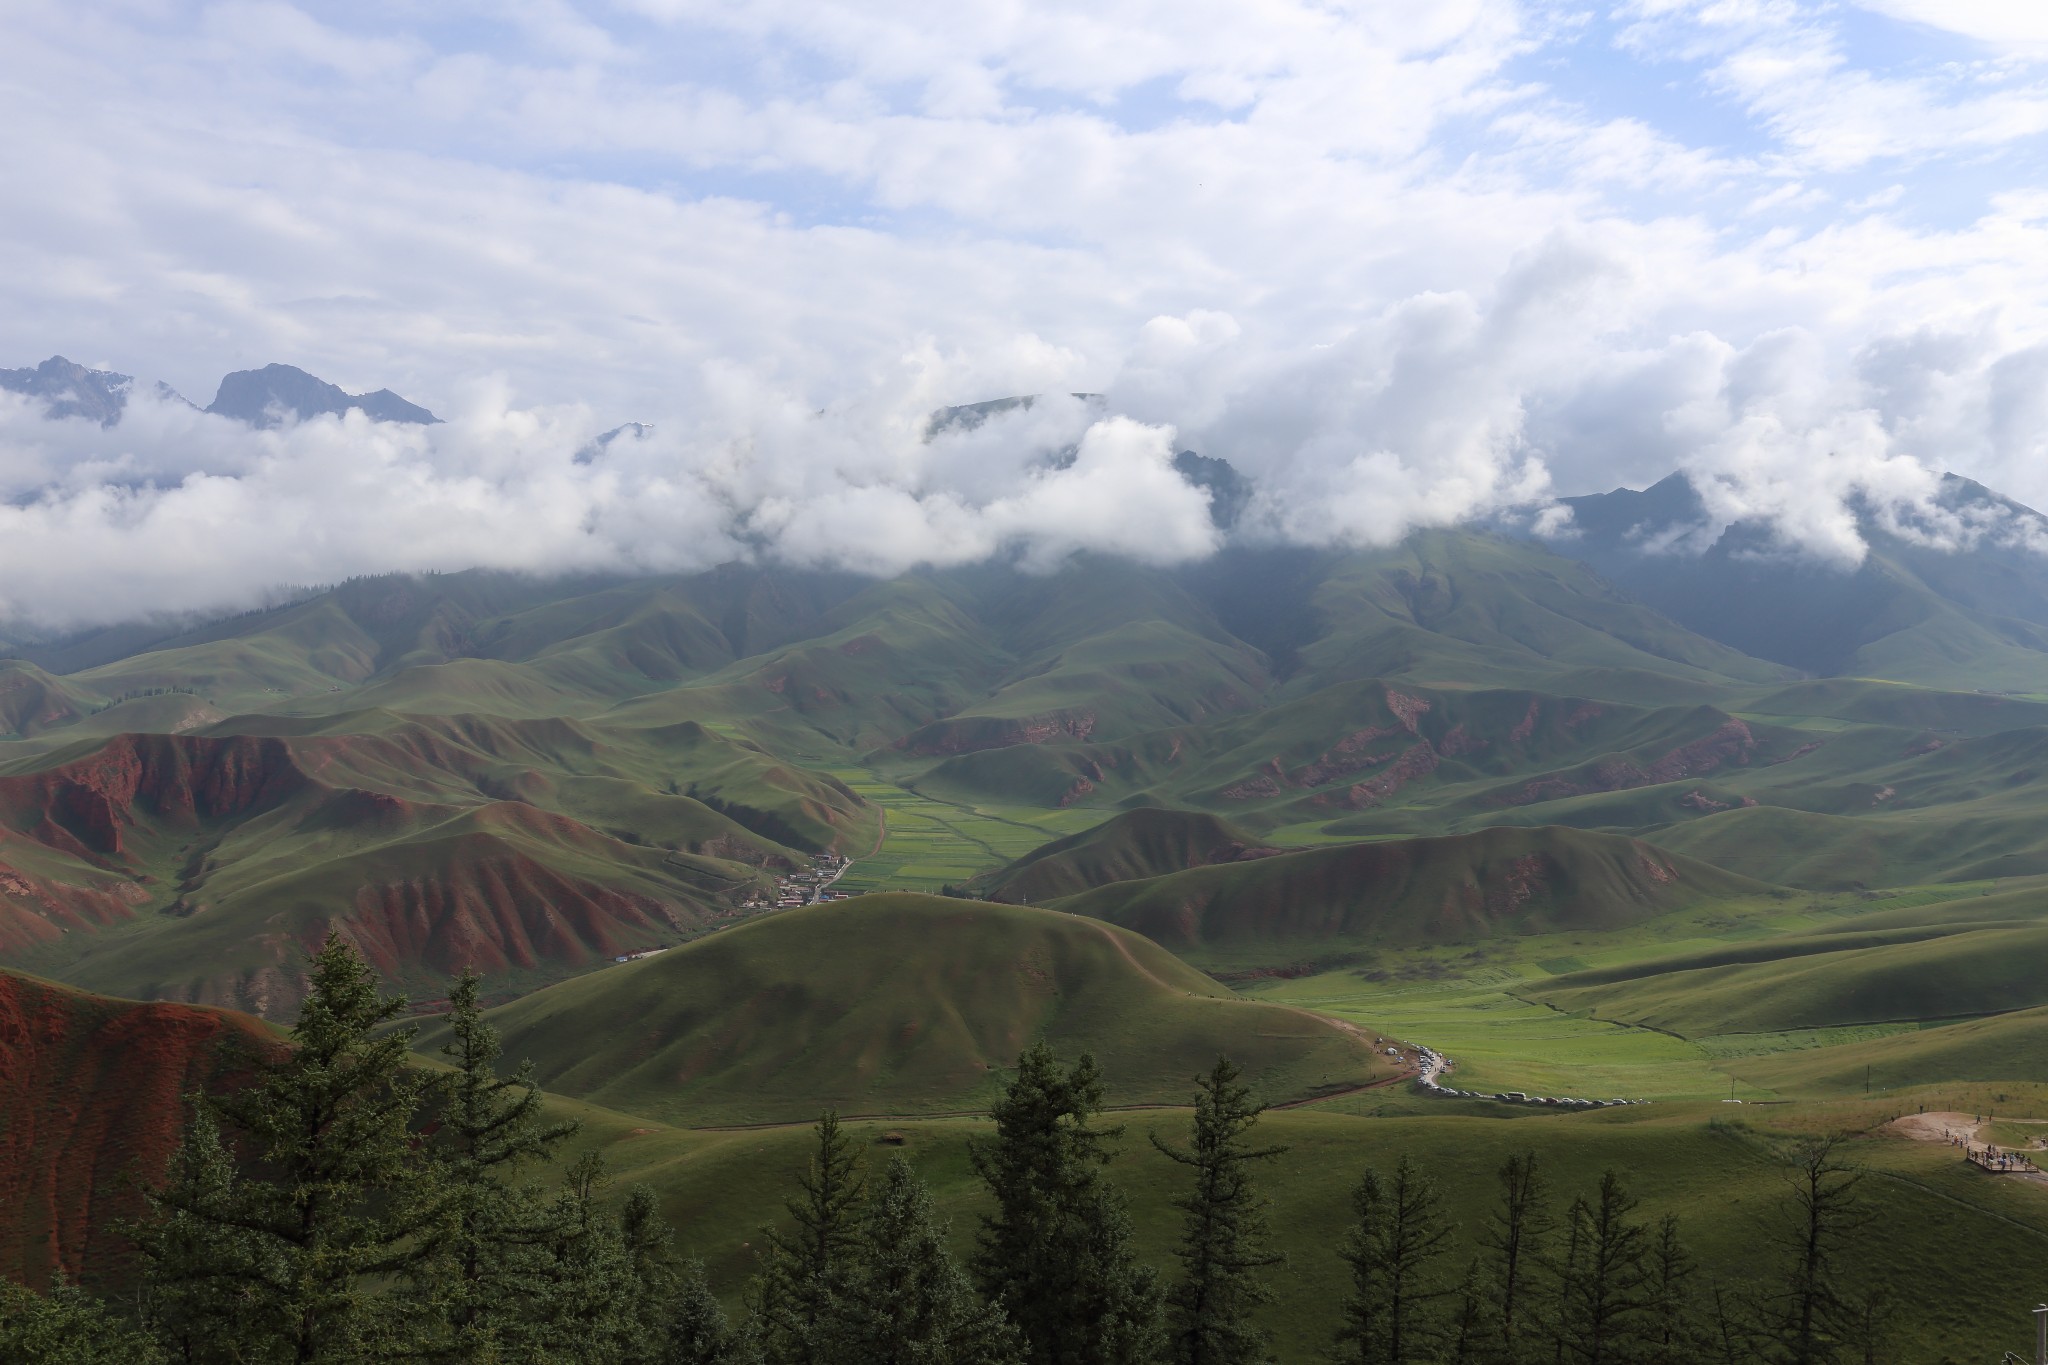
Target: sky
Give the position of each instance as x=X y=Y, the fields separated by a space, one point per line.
x=1403 y=264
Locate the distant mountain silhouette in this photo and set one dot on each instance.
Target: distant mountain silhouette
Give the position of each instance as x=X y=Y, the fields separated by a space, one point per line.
x=1970 y=618
x=68 y=389
x=275 y=393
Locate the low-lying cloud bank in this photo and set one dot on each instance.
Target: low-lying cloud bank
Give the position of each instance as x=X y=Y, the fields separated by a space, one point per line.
x=1442 y=409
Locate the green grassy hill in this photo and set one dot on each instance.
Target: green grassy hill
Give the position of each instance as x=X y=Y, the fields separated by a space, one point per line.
x=1363 y=897
x=1995 y=1049
x=1136 y=844
x=903 y=1004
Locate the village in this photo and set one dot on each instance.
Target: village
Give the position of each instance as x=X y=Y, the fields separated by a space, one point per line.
x=806 y=887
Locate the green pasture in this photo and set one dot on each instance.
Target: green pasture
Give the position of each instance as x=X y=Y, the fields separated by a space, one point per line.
x=929 y=844
x=1717 y=1168
x=1480 y=1008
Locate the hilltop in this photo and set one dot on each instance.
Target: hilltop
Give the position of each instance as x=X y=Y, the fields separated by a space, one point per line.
x=904 y=1004
x=1317 y=904
x=1140 y=843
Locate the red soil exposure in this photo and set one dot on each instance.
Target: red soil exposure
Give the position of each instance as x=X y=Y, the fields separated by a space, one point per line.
x=1081 y=788
x=1418 y=761
x=493 y=908
x=1348 y=755
x=83 y=807
x=91 y=1105
x=1251 y=789
x=1409 y=709
x=1730 y=743
x=1526 y=726
x=35 y=911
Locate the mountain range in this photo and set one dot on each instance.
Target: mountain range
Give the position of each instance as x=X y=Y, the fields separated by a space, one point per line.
x=262 y=398
x=1653 y=809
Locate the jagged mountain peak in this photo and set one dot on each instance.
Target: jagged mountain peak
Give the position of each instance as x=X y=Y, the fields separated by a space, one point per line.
x=277 y=393
x=69 y=389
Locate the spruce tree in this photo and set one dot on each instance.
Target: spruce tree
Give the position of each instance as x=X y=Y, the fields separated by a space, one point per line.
x=797 y=1295
x=1604 y=1294
x=1515 y=1237
x=1056 y=1253
x=585 y=1308
x=1394 y=1313
x=652 y=1275
x=1223 y=1238
x=489 y=1261
x=338 y=1201
x=196 y=1268
x=907 y=1302
x=697 y=1332
x=67 y=1327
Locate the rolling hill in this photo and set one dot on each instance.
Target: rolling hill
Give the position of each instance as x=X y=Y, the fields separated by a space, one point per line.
x=202 y=866
x=1317 y=905
x=1140 y=843
x=904 y=1004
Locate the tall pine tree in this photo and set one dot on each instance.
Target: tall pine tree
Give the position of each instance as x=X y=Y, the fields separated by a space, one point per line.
x=586 y=1307
x=1804 y=1318
x=1395 y=1311
x=1223 y=1236
x=906 y=1301
x=797 y=1295
x=337 y=1203
x=1056 y=1253
x=197 y=1270
x=1603 y=1287
x=490 y=1261
x=1515 y=1237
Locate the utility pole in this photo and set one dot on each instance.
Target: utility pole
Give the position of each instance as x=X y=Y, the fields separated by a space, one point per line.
x=2041 y=1335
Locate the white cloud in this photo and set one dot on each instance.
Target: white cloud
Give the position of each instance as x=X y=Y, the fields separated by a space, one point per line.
x=1405 y=264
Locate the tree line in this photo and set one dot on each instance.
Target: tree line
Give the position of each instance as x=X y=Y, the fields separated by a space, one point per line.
x=346 y=1206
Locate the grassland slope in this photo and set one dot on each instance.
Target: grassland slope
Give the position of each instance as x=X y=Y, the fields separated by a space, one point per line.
x=1401 y=892
x=904 y=1004
x=1146 y=842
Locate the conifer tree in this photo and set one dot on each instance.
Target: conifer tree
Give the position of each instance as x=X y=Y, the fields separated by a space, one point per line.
x=1056 y=1253
x=797 y=1295
x=338 y=1202
x=907 y=1302
x=1395 y=1310
x=1802 y=1319
x=1604 y=1289
x=1671 y=1329
x=652 y=1275
x=697 y=1332
x=67 y=1327
x=585 y=1310
x=489 y=1260
x=196 y=1268
x=1223 y=1237
x=1473 y=1333
x=1515 y=1236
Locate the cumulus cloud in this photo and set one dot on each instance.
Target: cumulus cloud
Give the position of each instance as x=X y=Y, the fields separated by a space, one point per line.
x=1403 y=265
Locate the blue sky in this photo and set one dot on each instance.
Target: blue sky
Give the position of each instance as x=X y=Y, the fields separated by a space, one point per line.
x=1406 y=264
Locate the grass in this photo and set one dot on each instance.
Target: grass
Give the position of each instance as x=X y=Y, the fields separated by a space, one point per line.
x=903 y=1004
x=931 y=844
x=1721 y=1177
